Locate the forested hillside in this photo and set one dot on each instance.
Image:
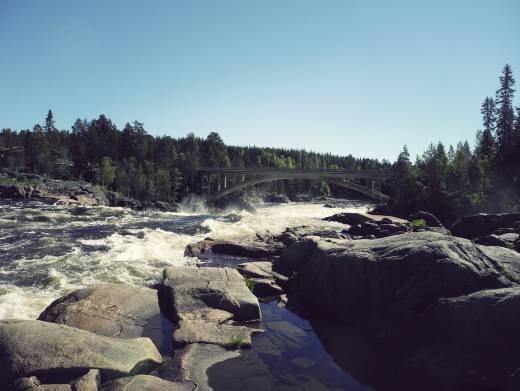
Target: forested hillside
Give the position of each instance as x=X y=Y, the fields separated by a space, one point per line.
x=447 y=181
x=145 y=167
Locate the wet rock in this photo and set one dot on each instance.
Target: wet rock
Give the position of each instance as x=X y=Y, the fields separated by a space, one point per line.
x=287 y=238
x=112 y=310
x=202 y=247
x=350 y=218
x=265 y=287
x=213 y=367
x=302 y=198
x=377 y=229
x=484 y=224
x=200 y=329
x=117 y=199
x=261 y=278
x=25 y=384
x=205 y=304
x=306 y=230
x=276 y=198
x=61 y=353
x=509 y=238
x=188 y=290
x=377 y=284
x=470 y=338
x=14 y=192
x=247 y=250
x=256 y=269
x=88 y=382
x=36 y=194
x=236 y=202
x=490 y=240
x=431 y=219
x=145 y=383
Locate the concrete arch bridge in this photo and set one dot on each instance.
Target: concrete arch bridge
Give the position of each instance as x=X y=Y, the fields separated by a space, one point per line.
x=232 y=180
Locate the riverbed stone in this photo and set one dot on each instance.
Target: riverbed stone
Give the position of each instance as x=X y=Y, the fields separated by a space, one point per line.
x=470 y=338
x=350 y=218
x=379 y=283
x=188 y=290
x=25 y=384
x=251 y=249
x=256 y=269
x=88 y=382
x=263 y=287
x=484 y=224
x=61 y=353
x=113 y=310
x=264 y=282
x=145 y=383
x=214 y=367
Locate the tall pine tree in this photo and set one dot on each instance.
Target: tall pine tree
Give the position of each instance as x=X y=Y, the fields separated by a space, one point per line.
x=505 y=116
x=486 y=138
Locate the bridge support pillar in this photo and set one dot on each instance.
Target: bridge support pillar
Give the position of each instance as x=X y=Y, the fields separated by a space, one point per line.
x=225 y=181
x=218 y=187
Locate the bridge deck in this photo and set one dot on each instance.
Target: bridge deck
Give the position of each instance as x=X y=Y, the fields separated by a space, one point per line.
x=297 y=173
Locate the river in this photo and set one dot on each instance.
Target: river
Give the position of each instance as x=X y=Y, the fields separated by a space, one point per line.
x=49 y=251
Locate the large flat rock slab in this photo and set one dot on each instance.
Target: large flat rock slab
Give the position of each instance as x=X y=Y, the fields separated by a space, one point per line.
x=144 y=383
x=112 y=310
x=186 y=290
x=380 y=282
x=61 y=353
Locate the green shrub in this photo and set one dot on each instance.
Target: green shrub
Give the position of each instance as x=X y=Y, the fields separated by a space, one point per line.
x=235 y=343
x=249 y=283
x=418 y=224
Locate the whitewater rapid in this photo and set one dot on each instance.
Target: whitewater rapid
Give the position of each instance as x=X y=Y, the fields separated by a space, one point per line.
x=49 y=251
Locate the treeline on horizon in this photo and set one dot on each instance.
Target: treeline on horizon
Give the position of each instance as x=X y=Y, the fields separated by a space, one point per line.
x=446 y=181
x=147 y=168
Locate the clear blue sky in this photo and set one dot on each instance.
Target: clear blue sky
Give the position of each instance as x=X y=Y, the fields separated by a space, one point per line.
x=341 y=76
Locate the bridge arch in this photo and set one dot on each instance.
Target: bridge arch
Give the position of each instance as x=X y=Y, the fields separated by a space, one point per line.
x=376 y=195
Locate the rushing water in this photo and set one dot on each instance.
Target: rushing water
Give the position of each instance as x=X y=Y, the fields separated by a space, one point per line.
x=49 y=251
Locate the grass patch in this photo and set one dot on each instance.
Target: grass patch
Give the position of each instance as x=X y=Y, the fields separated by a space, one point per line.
x=249 y=283
x=417 y=224
x=235 y=343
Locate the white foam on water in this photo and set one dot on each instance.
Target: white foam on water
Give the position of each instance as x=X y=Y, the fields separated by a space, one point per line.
x=276 y=218
x=28 y=285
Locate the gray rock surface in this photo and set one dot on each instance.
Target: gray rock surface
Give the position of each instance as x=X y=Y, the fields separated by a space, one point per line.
x=251 y=249
x=61 y=353
x=205 y=304
x=145 y=383
x=471 y=338
x=90 y=381
x=113 y=310
x=190 y=290
x=378 y=284
x=262 y=278
x=25 y=384
x=213 y=367
x=350 y=218
x=484 y=224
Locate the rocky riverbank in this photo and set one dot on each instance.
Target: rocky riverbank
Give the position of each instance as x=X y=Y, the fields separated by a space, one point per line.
x=430 y=310
x=32 y=187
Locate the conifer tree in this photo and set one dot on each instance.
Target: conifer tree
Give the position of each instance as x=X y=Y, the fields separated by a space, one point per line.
x=505 y=115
